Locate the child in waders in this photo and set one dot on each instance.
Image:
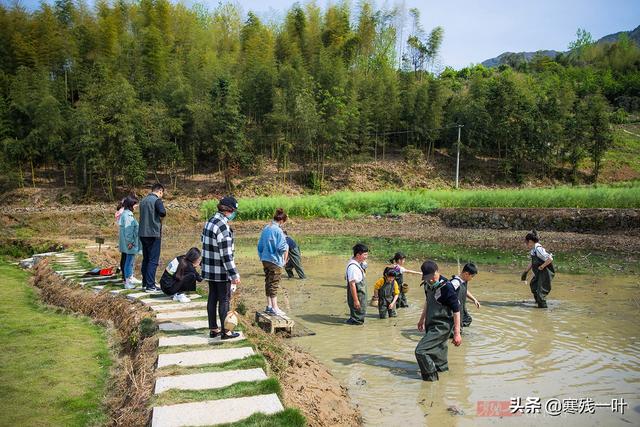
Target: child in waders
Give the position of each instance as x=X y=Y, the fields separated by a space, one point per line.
x=386 y=291
x=441 y=314
x=542 y=266
x=461 y=284
x=356 y=287
x=398 y=261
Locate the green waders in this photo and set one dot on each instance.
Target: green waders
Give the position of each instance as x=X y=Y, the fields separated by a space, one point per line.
x=541 y=282
x=385 y=298
x=432 y=350
x=294 y=262
x=357 y=316
x=402 y=298
x=465 y=317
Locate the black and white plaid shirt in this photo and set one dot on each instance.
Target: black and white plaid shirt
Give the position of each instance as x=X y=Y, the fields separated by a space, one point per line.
x=218 y=249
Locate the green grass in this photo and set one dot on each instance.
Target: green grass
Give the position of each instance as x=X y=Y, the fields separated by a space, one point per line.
x=53 y=366
x=242 y=389
x=381 y=249
x=287 y=418
x=356 y=204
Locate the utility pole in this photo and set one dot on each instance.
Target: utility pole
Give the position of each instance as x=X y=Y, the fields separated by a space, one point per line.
x=458 y=157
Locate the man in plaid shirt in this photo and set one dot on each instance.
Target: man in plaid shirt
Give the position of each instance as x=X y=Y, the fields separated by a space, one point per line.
x=218 y=265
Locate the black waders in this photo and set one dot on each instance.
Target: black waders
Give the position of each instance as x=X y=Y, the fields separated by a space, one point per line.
x=432 y=350
x=385 y=298
x=294 y=262
x=541 y=281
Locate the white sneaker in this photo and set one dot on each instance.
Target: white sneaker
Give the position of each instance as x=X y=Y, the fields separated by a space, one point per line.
x=279 y=312
x=135 y=281
x=181 y=298
x=129 y=285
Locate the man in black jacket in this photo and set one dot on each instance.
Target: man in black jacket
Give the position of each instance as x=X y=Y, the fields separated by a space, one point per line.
x=152 y=212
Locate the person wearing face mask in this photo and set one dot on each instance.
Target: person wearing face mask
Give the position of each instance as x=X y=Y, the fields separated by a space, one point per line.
x=356 y=287
x=218 y=265
x=441 y=314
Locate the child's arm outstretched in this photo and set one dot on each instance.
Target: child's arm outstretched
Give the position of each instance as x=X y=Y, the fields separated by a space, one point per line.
x=474 y=299
x=412 y=271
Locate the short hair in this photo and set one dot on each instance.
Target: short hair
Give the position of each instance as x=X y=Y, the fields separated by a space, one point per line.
x=397 y=257
x=532 y=236
x=470 y=268
x=157 y=186
x=129 y=202
x=280 y=215
x=360 y=248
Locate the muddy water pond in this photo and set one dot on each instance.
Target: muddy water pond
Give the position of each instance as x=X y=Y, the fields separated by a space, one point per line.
x=584 y=349
x=585 y=346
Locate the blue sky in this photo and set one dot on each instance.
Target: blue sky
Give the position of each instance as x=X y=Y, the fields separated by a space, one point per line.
x=476 y=30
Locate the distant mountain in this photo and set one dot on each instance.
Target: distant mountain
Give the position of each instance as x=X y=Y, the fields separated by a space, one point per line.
x=515 y=57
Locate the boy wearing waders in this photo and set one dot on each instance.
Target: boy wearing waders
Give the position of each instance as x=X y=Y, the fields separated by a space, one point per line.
x=542 y=266
x=441 y=314
x=398 y=262
x=386 y=290
x=295 y=259
x=461 y=284
x=356 y=287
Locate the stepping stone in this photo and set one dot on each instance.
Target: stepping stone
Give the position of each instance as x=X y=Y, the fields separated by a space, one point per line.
x=117 y=291
x=184 y=326
x=102 y=282
x=181 y=314
x=208 y=380
x=137 y=295
x=71 y=271
x=204 y=357
x=210 y=413
x=150 y=301
x=181 y=306
x=195 y=340
x=98 y=288
x=163 y=297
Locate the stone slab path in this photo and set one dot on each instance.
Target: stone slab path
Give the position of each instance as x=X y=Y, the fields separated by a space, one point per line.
x=204 y=357
x=184 y=340
x=209 y=380
x=169 y=312
x=181 y=314
x=214 y=411
x=185 y=326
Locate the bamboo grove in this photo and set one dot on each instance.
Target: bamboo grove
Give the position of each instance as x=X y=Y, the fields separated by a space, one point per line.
x=118 y=91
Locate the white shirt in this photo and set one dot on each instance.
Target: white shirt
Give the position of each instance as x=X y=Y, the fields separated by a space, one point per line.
x=540 y=252
x=354 y=271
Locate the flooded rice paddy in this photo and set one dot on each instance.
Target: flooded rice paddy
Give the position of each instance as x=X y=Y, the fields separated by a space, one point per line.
x=584 y=350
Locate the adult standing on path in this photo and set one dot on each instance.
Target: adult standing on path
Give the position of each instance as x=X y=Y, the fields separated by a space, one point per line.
x=273 y=251
x=152 y=212
x=218 y=265
x=356 y=286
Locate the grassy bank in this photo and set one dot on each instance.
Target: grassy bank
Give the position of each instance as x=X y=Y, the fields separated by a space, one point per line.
x=356 y=204
x=382 y=248
x=53 y=366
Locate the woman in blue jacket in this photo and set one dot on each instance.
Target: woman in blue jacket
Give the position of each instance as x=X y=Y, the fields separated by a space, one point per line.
x=129 y=242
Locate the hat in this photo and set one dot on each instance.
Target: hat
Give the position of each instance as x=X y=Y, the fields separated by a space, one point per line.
x=230 y=202
x=429 y=269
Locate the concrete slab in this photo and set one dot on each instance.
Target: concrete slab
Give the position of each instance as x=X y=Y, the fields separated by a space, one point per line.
x=117 y=291
x=184 y=326
x=204 y=357
x=163 y=297
x=151 y=301
x=208 y=380
x=179 y=306
x=194 y=340
x=137 y=295
x=186 y=314
x=214 y=411
x=98 y=288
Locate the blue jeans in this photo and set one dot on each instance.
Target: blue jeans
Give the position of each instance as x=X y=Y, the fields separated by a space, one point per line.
x=128 y=265
x=150 y=260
